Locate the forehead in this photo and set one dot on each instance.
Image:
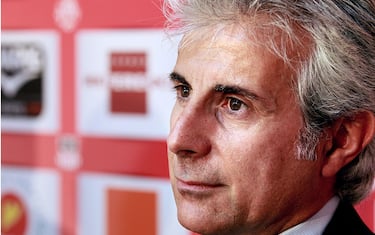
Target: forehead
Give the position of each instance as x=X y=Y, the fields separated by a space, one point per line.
x=229 y=52
x=292 y=43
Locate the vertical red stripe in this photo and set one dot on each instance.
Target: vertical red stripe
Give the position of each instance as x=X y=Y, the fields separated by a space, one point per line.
x=68 y=203
x=68 y=98
x=68 y=94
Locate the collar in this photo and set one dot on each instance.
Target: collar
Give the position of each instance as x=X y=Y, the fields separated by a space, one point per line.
x=316 y=224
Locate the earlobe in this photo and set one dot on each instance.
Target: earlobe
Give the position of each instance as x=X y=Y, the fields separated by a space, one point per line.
x=347 y=138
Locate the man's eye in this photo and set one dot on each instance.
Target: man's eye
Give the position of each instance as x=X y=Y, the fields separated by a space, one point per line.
x=182 y=91
x=235 y=104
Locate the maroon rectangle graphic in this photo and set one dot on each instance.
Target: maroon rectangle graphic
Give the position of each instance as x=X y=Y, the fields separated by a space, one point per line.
x=128 y=102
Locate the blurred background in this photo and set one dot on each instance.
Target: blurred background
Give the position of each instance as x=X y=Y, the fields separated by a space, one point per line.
x=85 y=104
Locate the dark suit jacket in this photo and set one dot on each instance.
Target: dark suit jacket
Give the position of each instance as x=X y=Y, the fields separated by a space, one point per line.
x=346 y=221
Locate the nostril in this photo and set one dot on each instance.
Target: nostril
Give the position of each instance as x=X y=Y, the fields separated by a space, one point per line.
x=186 y=153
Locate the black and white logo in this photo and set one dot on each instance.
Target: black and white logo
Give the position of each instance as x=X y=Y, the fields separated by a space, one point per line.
x=22 y=74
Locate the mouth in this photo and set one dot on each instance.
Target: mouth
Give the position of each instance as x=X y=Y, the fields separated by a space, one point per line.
x=197 y=188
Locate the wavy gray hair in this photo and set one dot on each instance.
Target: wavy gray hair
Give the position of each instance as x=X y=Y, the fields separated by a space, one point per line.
x=336 y=80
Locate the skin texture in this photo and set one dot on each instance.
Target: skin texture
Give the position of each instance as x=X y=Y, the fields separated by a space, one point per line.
x=232 y=143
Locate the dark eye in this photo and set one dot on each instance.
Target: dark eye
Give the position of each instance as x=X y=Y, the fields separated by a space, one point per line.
x=182 y=91
x=235 y=104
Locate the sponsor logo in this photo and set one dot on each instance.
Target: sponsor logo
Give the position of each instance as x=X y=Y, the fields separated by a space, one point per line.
x=13 y=215
x=123 y=84
x=128 y=82
x=22 y=74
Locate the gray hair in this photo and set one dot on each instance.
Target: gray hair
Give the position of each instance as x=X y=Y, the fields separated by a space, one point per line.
x=337 y=80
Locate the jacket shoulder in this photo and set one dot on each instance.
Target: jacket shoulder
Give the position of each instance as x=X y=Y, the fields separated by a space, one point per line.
x=346 y=221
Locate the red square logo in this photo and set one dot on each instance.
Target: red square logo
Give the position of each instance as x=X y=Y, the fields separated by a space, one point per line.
x=131 y=212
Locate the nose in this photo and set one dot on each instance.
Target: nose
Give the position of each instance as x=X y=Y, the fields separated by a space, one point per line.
x=189 y=134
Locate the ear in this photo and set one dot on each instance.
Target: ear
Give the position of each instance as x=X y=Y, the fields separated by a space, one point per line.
x=346 y=139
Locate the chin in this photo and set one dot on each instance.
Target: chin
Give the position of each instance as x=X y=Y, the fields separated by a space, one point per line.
x=192 y=218
x=199 y=227
x=199 y=220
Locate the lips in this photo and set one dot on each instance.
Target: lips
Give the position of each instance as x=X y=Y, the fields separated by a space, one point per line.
x=197 y=188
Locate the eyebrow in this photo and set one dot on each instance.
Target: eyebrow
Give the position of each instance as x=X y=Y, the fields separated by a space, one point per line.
x=227 y=89
x=176 y=77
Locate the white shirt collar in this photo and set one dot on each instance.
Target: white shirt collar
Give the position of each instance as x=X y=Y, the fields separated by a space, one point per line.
x=316 y=224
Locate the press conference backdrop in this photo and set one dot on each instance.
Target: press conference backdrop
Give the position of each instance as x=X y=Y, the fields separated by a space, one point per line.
x=85 y=105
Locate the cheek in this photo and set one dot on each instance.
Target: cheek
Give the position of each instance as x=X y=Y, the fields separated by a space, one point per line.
x=258 y=171
x=259 y=154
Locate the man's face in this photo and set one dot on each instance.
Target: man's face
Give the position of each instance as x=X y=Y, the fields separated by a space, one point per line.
x=232 y=143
